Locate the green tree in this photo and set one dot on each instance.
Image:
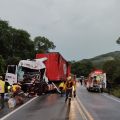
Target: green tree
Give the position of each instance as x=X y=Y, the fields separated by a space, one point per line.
x=15 y=42
x=81 y=68
x=2 y=65
x=22 y=45
x=12 y=60
x=4 y=39
x=112 y=69
x=43 y=45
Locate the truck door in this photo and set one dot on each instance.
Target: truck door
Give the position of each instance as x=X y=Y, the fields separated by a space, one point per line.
x=11 y=74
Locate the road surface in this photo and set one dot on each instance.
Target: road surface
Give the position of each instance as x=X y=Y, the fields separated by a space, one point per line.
x=86 y=106
x=100 y=106
x=47 y=107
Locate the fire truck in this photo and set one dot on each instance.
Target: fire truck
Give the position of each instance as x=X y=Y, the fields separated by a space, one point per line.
x=96 y=81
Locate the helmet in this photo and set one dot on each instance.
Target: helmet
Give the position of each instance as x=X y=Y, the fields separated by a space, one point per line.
x=69 y=78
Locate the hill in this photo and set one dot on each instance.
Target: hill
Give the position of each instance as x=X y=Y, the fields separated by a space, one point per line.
x=98 y=61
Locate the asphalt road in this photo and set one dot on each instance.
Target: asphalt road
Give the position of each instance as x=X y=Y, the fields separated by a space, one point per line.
x=47 y=107
x=100 y=106
x=86 y=106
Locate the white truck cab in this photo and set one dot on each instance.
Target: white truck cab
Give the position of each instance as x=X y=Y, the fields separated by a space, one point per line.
x=11 y=74
x=16 y=73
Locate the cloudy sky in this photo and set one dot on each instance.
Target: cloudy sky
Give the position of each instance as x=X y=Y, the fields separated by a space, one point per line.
x=79 y=28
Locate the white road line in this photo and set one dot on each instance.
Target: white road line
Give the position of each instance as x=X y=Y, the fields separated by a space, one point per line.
x=84 y=109
x=111 y=98
x=6 y=116
x=80 y=111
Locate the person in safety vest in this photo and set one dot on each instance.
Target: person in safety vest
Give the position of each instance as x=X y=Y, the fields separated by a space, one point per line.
x=74 y=88
x=69 y=86
x=62 y=88
x=2 y=91
x=7 y=86
x=16 y=88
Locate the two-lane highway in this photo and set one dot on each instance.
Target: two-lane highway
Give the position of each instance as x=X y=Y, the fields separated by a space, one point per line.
x=86 y=106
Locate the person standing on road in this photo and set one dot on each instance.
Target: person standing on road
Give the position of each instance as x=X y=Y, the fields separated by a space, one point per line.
x=16 y=88
x=69 y=86
x=7 y=86
x=2 y=91
x=74 y=88
x=81 y=81
x=62 y=88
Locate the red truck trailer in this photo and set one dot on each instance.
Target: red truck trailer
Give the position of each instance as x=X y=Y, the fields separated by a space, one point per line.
x=57 y=68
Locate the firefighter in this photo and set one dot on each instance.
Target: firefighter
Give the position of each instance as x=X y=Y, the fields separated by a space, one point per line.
x=16 y=88
x=74 y=88
x=62 y=88
x=7 y=86
x=2 y=91
x=69 y=87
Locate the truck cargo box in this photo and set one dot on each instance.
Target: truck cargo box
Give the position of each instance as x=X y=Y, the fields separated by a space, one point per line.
x=57 y=68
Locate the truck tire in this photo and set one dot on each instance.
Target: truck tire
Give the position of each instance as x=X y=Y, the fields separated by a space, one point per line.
x=99 y=90
x=88 y=89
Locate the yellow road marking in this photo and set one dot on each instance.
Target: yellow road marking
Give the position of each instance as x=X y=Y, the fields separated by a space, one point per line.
x=83 y=110
x=80 y=111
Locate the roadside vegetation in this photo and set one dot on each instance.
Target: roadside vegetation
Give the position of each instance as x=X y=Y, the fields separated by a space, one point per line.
x=112 y=68
x=81 y=68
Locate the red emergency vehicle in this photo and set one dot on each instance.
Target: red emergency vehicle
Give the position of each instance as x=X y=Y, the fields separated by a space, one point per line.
x=96 y=81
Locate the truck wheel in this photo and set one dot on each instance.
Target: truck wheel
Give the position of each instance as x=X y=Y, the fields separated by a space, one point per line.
x=99 y=90
x=88 y=89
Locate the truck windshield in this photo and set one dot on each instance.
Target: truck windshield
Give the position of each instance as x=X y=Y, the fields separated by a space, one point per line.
x=23 y=71
x=12 y=69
